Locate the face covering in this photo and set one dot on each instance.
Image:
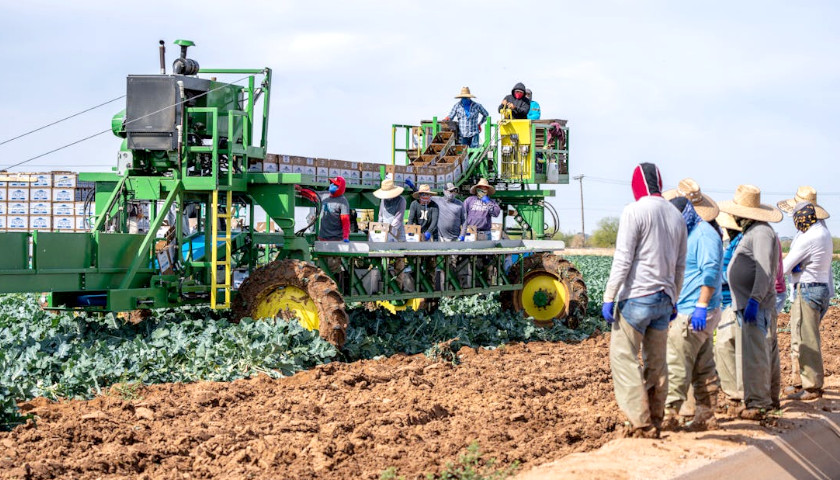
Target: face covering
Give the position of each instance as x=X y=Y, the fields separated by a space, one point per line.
x=690 y=215
x=448 y=195
x=804 y=217
x=465 y=102
x=518 y=95
x=480 y=193
x=646 y=181
x=333 y=188
x=425 y=199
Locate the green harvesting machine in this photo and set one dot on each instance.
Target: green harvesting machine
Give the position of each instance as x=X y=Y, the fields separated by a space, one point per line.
x=220 y=213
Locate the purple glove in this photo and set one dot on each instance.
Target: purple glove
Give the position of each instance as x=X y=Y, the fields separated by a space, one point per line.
x=485 y=199
x=751 y=312
x=607 y=311
x=698 y=319
x=427 y=236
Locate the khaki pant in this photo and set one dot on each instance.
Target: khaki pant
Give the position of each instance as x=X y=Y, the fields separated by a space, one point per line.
x=755 y=360
x=775 y=362
x=691 y=361
x=728 y=355
x=640 y=393
x=805 y=344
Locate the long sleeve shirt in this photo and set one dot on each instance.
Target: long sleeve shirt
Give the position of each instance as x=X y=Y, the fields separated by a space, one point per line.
x=752 y=271
x=452 y=218
x=468 y=124
x=703 y=268
x=812 y=249
x=650 y=251
x=479 y=214
x=424 y=215
x=392 y=212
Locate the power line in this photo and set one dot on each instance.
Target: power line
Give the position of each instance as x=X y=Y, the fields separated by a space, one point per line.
x=60 y=120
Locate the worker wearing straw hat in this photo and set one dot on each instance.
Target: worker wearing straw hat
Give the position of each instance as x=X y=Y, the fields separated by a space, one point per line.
x=424 y=212
x=470 y=115
x=727 y=345
x=752 y=275
x=645 y=281
x=809 y=261
x=392 y=209
x=690 y=351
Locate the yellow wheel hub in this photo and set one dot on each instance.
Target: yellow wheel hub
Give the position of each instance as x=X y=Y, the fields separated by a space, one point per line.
x=287 y=302
x=544 y=297
x=414 y=304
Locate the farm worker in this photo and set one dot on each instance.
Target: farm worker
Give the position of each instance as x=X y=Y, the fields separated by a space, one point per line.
x=480 y=208
x=690 y=352
x=645 y=281
x=728 y=336
x=516 y=102
x=534 y=108
x=752 y=282
x=424 y=212
x=809 y=260
x=335 y=210
x=452 y=220
x=470 y=115
x=392 y=209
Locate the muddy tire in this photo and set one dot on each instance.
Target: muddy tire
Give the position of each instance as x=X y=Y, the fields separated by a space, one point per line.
x=320 y=292
x=563 y=297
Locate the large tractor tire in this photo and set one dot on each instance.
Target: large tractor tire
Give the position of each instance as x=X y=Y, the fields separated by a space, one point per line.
x=552 y=289
x=294 y=289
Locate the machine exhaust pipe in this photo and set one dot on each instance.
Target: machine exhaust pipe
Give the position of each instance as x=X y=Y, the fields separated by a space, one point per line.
x=162 y=49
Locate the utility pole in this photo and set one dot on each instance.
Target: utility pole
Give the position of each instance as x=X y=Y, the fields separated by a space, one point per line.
x=582 y=224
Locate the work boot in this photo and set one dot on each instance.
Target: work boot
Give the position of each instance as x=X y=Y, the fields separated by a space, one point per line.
x=704 y=419
x=807 y=394
x=644 y=432
x=672 y=421
x=752 y=414
x=791 y=389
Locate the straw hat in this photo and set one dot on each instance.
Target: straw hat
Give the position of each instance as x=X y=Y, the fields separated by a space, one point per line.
x=388 y=190
x=423 y=189
x=703 y=204
x=483 y=184
x=465 y=93
x=803 y=194
x=726 y=220
x=747 y=204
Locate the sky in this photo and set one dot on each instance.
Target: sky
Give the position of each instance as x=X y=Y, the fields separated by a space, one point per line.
x=724 y=92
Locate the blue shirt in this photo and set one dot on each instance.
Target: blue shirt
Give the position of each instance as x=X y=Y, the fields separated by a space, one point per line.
x=468 y=126
x=703 y=267
x=534 y=112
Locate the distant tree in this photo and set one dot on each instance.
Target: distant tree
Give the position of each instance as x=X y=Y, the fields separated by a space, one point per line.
x=604 y=236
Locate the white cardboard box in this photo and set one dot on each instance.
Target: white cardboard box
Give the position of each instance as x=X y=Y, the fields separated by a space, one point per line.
x=4 y=208
x=17 y=208
x=40 y=208
x=40 y=222
x=64 y=208
x=64 y=195
x=79 y=208
x=63 y=223
x=3 y=194
x=18 y=194
x=42 y=180
x=17 y=222
x=2 y=222
x=83 y=224
x=64 y=180
x=40 y=194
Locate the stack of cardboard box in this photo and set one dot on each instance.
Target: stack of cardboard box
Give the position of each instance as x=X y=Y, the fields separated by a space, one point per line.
x=47 y=202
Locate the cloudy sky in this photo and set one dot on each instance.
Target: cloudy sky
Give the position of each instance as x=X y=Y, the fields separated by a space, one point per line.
x=724 y=92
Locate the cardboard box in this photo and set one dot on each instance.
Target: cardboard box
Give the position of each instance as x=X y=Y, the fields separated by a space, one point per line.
x=378 y=232
x=63 y=223
x=269 y=167
x=41 y=180
x=353 y=177
x=322 y=169
x=496 y=231
x=285 y=167
x=17 y=208
x=17 y=222
x=19 y=179
x=40 y=208
x=63 y=195
x=336 y=167
x=413 y=234
x=425 y=175
x=164 y=261
x=64 y=208
x=4 y=208
x=83 y=224
x=254 y=165
x=64 y=180
x=40 y=222
x=2 y=223
x=40 y=194
x=79 y=208
x=18 y=194
x=3 y=194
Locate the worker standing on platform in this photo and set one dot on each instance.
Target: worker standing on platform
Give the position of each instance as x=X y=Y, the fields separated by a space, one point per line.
x=335 y=210
x=480 y=208
x=516 y=102
x=392 y=209
x=451 y=225
x=424 y=212
x=534 y=110
x=470 y=115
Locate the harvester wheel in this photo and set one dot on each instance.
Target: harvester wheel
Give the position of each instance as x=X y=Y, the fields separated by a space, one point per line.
x=292 y=289
x=415 y=304
x=552 y=289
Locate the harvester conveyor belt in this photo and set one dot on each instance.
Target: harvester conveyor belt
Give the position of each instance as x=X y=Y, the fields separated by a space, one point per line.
x=402 y=249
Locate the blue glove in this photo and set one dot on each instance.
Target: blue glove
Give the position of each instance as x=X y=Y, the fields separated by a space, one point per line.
x=427 y=236
x=485 y=199
x=797 y=268
x=607 y=311
x=751 y=312
x=698 y=319
x=410 y=184
x=461 y=238
x=346 y=240
x=673 y=314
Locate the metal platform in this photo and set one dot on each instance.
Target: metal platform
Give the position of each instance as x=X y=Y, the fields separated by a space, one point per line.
x=428 y=249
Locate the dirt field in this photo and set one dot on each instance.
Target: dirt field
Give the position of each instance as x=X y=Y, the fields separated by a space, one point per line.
x=533 y=403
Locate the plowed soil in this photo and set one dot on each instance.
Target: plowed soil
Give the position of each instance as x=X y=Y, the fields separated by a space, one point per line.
x=532 y=403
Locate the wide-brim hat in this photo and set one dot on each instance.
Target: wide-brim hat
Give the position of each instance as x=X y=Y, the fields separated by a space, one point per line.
x=423 y=189
x=703 y=204
x=747 y=204
x=465 y=93
x=803 y=194
x=388 y=189
x=483 y=184
x=726 y=220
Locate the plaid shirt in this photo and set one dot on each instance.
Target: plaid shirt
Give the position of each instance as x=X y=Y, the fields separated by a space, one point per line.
x=468 y=127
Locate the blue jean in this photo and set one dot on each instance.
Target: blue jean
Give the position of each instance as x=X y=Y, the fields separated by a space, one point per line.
x=472 y=142
x=816 y=296
x=652 y=311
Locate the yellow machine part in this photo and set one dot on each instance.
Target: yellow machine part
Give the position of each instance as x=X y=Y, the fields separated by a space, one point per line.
x=517 y=166
x=519 y=127
x=544 y=297
x=285 y=302
x=414 y=304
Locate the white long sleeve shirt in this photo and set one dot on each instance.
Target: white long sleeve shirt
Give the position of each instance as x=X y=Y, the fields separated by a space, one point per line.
x=813 y=250
x=649 y=252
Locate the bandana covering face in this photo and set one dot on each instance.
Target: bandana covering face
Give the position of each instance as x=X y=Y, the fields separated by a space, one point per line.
x=804 y=217
x=690 y=216
x=646 y=181
x=448 y=195
x=518 y=95
x=480 y=193
x=425 y=198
